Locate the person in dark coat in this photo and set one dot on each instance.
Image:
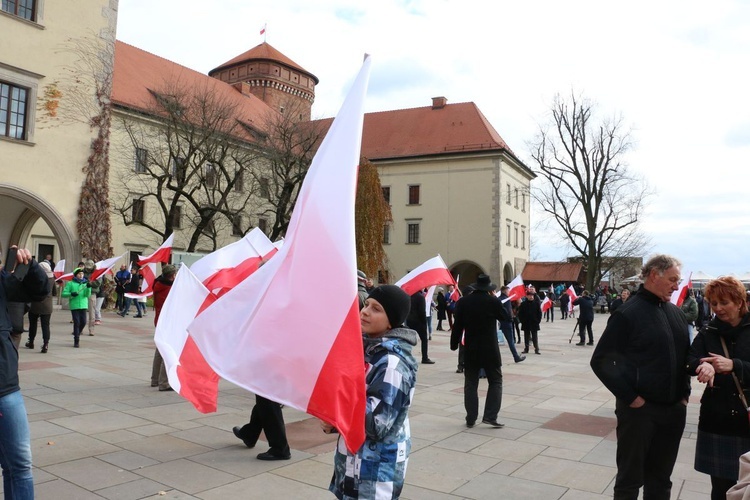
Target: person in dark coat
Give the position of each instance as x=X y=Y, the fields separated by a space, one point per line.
x=417 y=321
x=530 y=316
x=564 y=304
x=720 y=357
x=441 y=309
x=585 y=305
x=41 y=312
x=475 y=321
x=15 y=438
x=641 y=358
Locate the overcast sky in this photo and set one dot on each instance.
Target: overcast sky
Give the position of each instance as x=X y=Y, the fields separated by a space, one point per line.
x=677 y=71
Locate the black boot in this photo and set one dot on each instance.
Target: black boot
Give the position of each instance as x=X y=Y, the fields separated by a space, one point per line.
x=30 y=344
x=44 y=348
x=75 y=342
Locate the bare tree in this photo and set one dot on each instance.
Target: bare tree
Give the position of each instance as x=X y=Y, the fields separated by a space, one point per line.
x=372 y=213
x=289 y=146
x=587 y=190
x=192 y=159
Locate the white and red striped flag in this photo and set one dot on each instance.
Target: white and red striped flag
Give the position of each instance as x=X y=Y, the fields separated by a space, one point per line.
x=147 y=287
x=161 y=254
x=227 y=267
x=103 y=266
x=546 y=304
x=189 y=374
x=678 y=296
x=516 y=289
x=432 y=272
x=215 y=274
x=573 y=296
x=59 y=269
x=428 y=301
x=266 y=334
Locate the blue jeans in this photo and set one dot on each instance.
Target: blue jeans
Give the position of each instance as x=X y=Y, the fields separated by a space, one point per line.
x=507 y=328
x=15 y=448
x=126 y=305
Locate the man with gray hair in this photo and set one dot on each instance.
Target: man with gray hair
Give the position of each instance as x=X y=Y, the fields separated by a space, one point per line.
x=641 y=359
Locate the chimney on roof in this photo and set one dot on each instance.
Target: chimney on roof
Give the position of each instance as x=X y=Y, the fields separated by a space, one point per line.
x=439 y=102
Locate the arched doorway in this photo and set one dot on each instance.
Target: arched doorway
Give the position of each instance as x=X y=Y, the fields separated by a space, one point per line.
x=508 y=273
x=22 y=211
x=466 y=271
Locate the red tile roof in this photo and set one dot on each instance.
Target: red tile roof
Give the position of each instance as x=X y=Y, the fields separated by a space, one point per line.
x=552 y=271
x=428 y=131
x=137 y=72
x=264 y=51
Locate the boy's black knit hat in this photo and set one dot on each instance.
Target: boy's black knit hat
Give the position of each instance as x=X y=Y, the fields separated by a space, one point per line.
x=395 y=302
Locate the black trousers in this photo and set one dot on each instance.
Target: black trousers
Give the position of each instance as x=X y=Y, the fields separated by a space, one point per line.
x=45 y=326
x=583 y=327
x=648 y=439
x=267 y=417
x=423 y=341
x=494 y=399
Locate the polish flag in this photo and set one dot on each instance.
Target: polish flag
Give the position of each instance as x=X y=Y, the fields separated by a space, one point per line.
x=428 y=300
x=103 y=266
x=678 y=296
x=546 y=304
x=573 y=296
x=189 y=374
x=516 y=289
x=147 y=287
x=267 y=335
x=432 y=272
x=227 y=267
x=59 y=269
x=215 y=274
x=263 y=29
x=162 y=253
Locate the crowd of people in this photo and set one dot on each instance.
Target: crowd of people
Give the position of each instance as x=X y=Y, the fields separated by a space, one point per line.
x=646 y=356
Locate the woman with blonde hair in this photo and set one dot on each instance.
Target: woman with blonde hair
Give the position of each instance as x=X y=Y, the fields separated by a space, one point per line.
x=720 y=357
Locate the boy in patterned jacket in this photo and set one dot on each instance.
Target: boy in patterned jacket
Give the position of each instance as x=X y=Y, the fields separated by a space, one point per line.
x=378 y=468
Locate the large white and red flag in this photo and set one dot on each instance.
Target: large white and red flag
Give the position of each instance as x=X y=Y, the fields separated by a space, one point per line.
x=573 y=296
x=189 y=374
x=432 y=272
x=428 y=301
x=516 y=289
x=546 y=304
x=147 y=286
x=216 y=273
x=678 y=296
x=268 y=334
x=59 y=269
x=103 y=266
x=227 y=267
x=161 y=254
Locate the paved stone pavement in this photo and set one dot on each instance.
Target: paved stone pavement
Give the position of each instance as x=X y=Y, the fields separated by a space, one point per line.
x=100 y=431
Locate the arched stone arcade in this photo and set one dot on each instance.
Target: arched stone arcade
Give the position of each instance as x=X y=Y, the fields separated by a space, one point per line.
x=21 y=210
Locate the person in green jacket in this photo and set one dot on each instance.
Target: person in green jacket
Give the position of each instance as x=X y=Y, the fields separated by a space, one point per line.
x=78 y=291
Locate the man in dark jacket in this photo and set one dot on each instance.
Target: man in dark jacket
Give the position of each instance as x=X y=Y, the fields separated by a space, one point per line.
x=15 y=439
x=475 y=321
x=417 y=321
x=585 y=305
x=641 y=359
